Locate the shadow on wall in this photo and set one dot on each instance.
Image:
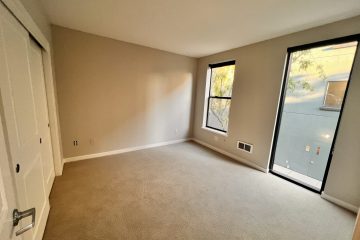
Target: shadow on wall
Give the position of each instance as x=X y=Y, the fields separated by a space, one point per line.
x=151 y=113
x=114 y=95
x=157 y=104
x=169 y=98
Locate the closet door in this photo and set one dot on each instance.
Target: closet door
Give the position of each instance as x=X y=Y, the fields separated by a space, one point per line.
x=37 y=76
x=22 y=109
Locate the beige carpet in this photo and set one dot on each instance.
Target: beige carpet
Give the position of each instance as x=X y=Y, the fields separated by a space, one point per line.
x=185 y=191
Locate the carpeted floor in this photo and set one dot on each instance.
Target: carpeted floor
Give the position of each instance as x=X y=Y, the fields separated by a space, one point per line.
x=185 y=191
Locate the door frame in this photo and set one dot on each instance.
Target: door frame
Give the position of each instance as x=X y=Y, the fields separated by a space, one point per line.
x=22 y=15
x=350 y=38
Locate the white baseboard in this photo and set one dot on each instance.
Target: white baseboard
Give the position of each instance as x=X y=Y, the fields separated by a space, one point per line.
x=230 y=155
x=124 y=150
x=339 y=202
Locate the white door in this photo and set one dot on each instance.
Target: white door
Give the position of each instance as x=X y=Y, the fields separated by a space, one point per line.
x=7 y=193
x=25 y=123
x=37 y=76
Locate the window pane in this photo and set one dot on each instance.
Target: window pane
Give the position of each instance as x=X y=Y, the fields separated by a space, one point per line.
x=218 y=115
x=335 y=94
x=222 y=79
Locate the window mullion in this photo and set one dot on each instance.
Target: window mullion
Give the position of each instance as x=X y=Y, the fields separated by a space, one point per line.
x=218 y=97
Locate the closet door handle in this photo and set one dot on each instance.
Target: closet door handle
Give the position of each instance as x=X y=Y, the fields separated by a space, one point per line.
x=17 y=216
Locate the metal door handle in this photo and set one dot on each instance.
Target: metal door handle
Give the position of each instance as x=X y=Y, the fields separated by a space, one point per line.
x=17 y=216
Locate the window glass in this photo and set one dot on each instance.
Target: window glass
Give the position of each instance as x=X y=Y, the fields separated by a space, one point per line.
x=222 y=79
x=218 y=115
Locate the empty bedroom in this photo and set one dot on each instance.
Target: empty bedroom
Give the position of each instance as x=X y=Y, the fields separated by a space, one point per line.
x=166 y=119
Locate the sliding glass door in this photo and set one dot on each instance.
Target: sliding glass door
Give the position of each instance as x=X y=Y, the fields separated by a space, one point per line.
x=315 y=87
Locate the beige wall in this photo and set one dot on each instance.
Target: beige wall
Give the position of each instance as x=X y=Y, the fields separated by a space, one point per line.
x=115 y=95
x=258 y=76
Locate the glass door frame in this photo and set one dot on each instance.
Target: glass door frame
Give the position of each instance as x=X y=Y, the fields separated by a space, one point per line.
x=290 y=50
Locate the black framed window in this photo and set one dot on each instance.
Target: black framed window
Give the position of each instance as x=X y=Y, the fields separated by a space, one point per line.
x=219 y=95
x=315 y=74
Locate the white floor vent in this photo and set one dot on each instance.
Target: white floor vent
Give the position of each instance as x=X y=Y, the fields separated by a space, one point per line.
x=247 y=147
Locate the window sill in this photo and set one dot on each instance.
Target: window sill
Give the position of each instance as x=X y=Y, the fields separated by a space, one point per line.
x=215 y=131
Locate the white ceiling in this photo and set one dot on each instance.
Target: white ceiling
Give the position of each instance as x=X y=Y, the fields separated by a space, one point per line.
x=196 y=27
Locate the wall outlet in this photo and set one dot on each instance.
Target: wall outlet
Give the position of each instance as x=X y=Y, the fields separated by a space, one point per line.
x=76 y=143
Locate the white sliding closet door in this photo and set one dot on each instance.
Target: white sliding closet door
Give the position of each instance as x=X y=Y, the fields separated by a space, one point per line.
x=37 y=76
x=25 y=126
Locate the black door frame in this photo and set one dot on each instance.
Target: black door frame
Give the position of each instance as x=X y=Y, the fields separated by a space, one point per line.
x=290 y=50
